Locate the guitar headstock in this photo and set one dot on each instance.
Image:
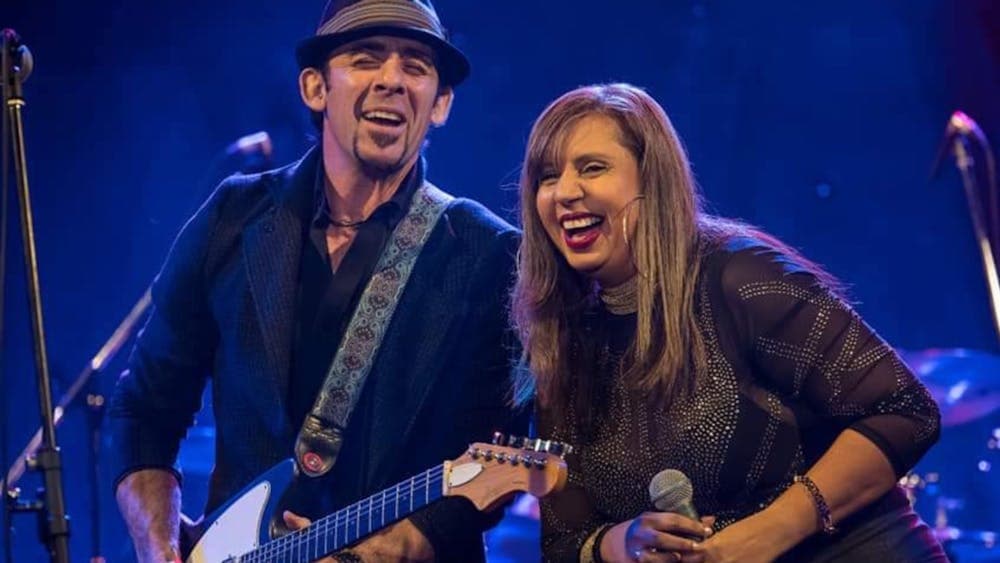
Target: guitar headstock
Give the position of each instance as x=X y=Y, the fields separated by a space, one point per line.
x=487 y=474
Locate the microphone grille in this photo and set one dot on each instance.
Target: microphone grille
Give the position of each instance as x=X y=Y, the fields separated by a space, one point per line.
x=670 y=489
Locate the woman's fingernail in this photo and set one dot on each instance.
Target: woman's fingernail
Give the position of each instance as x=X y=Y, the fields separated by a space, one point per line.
x=708 y=531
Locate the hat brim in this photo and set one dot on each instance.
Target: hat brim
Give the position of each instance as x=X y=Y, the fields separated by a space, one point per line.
x=452 y=65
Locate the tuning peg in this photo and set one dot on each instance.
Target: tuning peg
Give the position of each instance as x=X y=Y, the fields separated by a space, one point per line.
x=513 y=440
x=560 y=449
x=498 y=438
x=565 y=449
x=535 y=444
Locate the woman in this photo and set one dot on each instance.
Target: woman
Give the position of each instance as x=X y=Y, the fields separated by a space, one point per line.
x=658 y=336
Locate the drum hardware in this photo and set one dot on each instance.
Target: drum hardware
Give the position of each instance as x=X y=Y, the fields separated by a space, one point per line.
x=954 y=487
x=965 y=383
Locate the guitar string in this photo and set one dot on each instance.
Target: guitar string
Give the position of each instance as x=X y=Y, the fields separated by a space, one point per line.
x=322 y=527
x=419 y=482
x=366 y=507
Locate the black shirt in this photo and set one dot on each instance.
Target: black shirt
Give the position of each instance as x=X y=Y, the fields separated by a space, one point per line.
x=325 y=303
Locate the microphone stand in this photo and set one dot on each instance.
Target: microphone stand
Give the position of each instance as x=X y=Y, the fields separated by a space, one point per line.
x=964 y=128
x=258 y=146
x=53 y=523
x=95 y=405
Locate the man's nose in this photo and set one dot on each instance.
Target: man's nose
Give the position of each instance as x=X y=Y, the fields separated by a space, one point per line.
x=390 y=75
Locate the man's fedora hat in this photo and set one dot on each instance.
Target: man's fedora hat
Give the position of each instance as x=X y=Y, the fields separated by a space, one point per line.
x=347 y=20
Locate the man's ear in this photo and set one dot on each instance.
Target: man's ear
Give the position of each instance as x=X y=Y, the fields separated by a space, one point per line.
x=312 y=88
x=442 y=106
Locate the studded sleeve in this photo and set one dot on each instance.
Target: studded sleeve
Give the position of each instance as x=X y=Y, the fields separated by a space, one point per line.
x=569 y=517
x=804 y=342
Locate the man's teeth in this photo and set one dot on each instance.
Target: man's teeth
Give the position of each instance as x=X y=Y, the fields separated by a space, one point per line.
x=580 y=223
x=384 y=115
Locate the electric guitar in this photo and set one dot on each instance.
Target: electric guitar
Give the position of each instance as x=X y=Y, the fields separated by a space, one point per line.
x=487 y=474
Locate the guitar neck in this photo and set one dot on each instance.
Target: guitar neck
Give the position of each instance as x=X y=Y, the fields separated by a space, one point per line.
x=348 y=525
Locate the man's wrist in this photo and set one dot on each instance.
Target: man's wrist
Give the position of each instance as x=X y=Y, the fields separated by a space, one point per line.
x=158 y=553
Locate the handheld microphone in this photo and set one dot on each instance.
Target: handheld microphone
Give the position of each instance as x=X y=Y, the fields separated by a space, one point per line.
x=670 y=491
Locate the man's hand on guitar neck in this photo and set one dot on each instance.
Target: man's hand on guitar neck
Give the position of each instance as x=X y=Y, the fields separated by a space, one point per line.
x=401 y=542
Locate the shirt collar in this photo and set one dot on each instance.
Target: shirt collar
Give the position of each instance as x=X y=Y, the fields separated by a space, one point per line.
x=391 y=211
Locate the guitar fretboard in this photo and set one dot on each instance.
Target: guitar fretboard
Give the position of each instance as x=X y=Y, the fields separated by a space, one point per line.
x=347 y=525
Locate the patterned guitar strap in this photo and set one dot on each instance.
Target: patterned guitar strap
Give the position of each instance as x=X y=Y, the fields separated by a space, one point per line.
x=321 y=436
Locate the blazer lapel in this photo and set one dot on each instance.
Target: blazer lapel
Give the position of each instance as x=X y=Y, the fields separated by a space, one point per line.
x=272 y=248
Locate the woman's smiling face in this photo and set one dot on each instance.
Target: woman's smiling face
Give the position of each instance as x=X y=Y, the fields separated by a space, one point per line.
x=583 y=201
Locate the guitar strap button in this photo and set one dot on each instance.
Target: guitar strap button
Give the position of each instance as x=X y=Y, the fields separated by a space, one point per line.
x=312 y=462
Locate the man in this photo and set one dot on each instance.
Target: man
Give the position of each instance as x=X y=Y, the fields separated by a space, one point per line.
x=273 y=272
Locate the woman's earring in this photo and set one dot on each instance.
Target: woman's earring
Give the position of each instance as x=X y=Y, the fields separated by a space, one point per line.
x=625 y=219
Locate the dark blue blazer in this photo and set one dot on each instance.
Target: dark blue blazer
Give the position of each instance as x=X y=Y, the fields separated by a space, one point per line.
x=223 y=308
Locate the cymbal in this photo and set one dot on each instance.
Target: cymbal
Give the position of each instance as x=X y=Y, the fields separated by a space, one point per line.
x=987 y=538
x=964 y=383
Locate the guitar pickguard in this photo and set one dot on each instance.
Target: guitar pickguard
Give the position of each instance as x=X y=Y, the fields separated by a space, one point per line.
x=236 y=530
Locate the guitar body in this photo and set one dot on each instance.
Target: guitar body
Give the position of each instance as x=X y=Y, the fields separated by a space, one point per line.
x=242 y=524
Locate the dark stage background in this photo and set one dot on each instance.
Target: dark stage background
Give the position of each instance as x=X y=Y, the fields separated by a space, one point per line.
x=818 y=121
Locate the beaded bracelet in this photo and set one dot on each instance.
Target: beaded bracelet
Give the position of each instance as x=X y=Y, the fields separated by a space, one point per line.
x=825 y=517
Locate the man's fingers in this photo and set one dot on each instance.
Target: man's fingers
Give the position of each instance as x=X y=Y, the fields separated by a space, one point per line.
x=294 y=521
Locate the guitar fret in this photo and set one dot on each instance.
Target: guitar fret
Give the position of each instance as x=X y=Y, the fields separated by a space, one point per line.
x=315 y=542
x=301 y=547
x=347 y=526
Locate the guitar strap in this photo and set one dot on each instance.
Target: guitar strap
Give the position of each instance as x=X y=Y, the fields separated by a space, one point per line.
x=321 y=435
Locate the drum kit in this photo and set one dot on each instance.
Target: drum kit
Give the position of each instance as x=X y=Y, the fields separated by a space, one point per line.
x=956 y=486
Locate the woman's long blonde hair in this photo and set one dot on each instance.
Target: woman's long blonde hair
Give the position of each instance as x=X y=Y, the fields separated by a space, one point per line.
x=672 y=236
x=549 y=296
